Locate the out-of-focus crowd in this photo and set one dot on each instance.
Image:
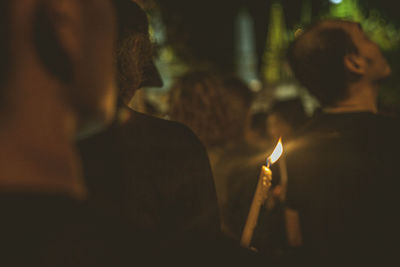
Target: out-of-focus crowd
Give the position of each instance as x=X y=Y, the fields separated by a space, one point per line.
x=88 y=181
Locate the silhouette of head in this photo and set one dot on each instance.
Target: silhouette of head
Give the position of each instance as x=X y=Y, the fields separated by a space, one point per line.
x=331 y=55
x=134 y=51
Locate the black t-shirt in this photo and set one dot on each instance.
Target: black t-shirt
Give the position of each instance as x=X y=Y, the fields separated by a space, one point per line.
x=48 y=230
x=343 y=178
x=155 y=175
x=52 y=230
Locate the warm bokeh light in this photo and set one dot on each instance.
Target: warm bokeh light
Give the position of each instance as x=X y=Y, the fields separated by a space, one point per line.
x=276 y=154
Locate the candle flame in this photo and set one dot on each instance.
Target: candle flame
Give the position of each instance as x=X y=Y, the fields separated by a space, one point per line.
x=277 y=153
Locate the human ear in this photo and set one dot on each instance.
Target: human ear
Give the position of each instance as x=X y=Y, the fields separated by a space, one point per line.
x=67 y=17
x=355 y=64
x=58 y=32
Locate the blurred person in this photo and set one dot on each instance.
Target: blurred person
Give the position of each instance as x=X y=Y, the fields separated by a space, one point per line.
x=285 y=117
x=342 y=175
x=258 y=128
x=57 y=83
x=152 y=173
x=224 y=102
x=217 y=108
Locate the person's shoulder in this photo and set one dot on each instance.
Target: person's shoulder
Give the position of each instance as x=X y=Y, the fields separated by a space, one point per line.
x=159 y=130
x=155 y=123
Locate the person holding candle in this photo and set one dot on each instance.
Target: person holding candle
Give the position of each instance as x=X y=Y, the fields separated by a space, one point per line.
x=284 y=119
x=216 y=107
x=342 y=175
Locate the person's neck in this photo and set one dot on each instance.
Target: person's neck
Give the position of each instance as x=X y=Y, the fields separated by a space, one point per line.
x=37 y=133
x=361 y=98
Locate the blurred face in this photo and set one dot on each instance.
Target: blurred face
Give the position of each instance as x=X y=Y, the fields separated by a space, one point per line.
x=94 y=91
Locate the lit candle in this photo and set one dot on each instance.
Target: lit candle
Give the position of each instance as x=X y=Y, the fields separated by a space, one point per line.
x=260 y=195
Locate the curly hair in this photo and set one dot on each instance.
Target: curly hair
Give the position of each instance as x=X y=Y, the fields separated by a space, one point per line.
x=214 y=106
x=131 y=60
x=134 y=52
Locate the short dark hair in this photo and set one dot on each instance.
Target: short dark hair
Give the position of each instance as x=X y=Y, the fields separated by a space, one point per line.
x=317 y=60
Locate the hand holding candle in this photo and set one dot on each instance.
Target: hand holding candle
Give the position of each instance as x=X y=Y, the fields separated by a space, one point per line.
x=263 y=185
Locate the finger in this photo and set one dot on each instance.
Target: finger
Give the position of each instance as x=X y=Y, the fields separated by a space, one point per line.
x=266 y=172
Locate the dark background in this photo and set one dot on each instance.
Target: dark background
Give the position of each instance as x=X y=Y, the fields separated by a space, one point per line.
x=201 y=31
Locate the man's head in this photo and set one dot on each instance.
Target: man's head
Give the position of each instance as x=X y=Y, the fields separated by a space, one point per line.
x=332 y=55
x=134 y=50
x=68 y=44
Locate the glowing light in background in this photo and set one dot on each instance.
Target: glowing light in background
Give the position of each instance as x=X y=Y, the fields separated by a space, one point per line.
x=348 y=9
x=306 y=12
x=336 y=2
x=384 y=33
x=246 y=58
x=276 y=43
